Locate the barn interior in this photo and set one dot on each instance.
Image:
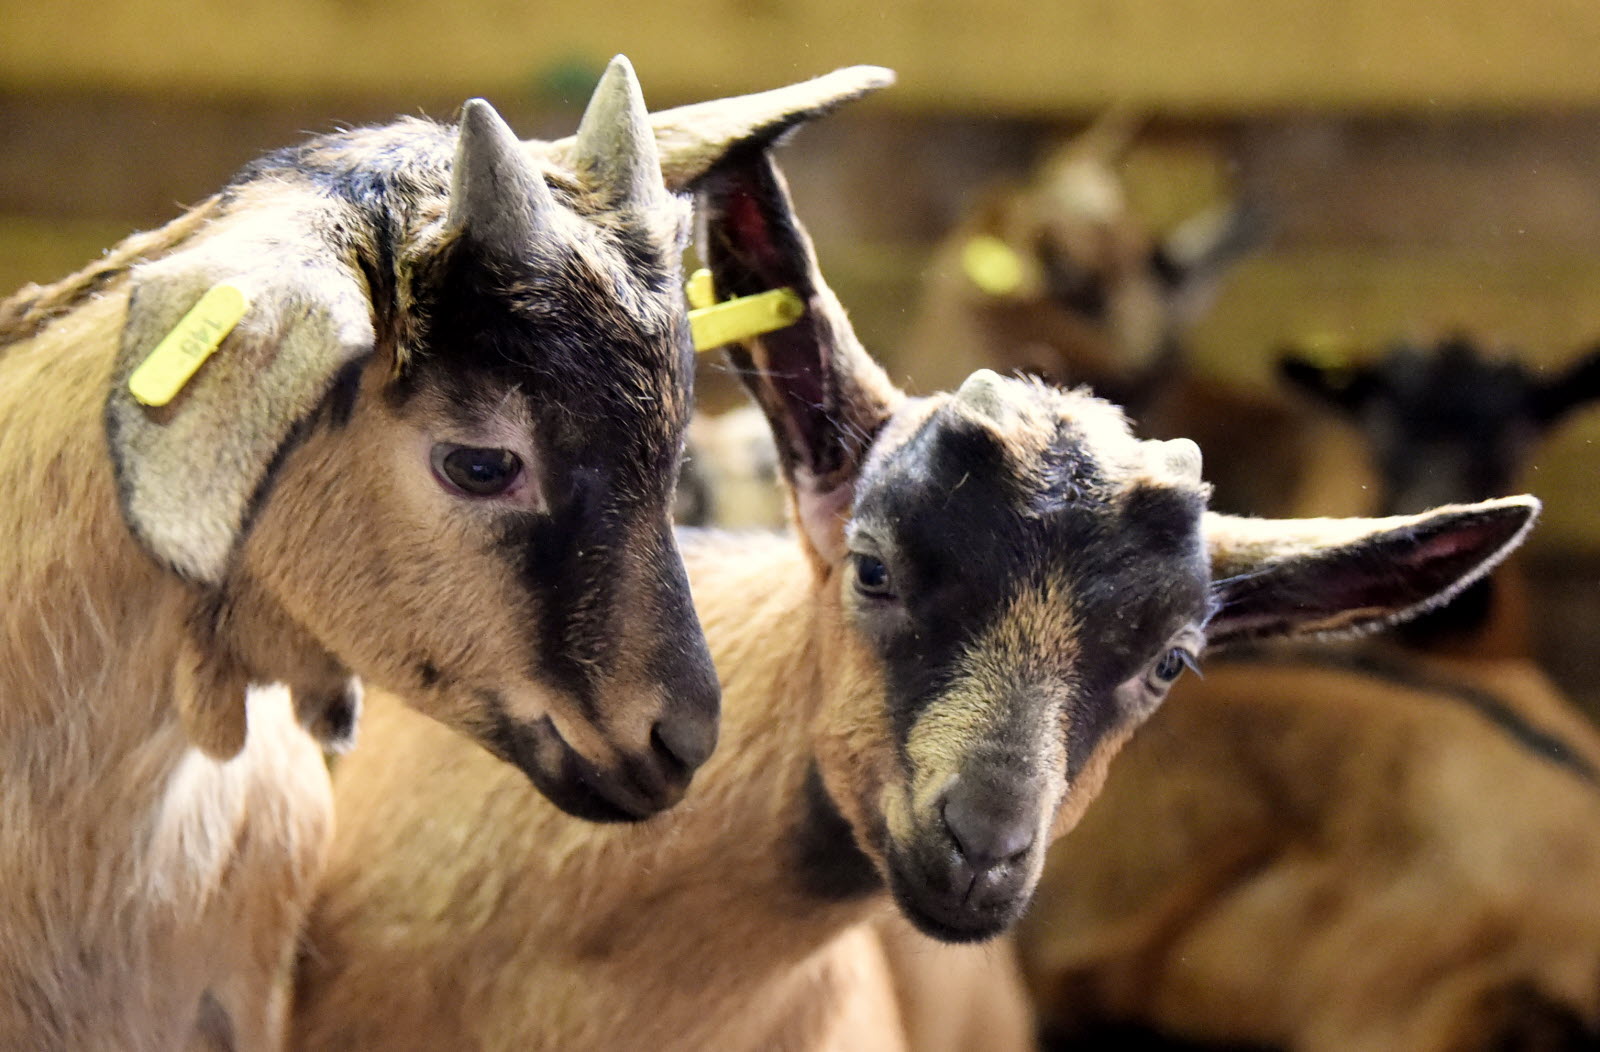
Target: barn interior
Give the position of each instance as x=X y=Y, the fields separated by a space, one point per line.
x=1404 y=173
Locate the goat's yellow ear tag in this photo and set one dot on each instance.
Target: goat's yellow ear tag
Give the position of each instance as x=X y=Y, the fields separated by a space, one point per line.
x=1325 y=350
x=181 y=352
x=715 y=324
x=993 y=265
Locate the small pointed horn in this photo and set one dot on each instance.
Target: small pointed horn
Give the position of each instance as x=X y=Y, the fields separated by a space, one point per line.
x=694 y=139
x=496 y=196
x=615 y=148
x=1180 y=457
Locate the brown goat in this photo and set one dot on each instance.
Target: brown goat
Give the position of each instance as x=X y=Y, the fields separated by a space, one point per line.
x=1060 y=278
x=438 y=453
x=1391 y=848
x=985 y=593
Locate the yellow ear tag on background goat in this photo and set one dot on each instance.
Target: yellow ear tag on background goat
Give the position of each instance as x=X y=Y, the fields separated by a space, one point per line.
x=181 y=352
x=715 y=324
x=993 y=265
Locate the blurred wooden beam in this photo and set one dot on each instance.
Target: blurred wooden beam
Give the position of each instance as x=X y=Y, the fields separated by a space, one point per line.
x=1001 y=56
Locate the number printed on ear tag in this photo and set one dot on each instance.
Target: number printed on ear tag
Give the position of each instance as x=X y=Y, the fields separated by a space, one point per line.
x=181 y=352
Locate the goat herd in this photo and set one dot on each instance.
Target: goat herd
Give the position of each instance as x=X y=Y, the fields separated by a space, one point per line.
x=610 y=785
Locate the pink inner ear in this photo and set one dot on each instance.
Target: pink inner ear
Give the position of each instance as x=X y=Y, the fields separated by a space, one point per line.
x=743 y=213
x=1478 y=539
x=822 y=513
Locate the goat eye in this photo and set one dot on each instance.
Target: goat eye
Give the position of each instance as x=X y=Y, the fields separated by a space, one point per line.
x=872 y=576
x=476 y=472
x=1171 y=666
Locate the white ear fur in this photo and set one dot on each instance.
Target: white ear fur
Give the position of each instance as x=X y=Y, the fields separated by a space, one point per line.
x=1279 y=577
x=189 y=471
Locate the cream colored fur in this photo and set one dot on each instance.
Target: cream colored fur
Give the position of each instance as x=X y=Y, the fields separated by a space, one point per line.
x=124 y=851
x=686 y=933
x=162 y=827
x=461 y=910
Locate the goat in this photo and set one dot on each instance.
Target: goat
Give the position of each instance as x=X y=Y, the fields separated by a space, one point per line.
x=1394 y=848
x=1060 y=278
x=1447 y=421
x=985 y=592
x=437 y=453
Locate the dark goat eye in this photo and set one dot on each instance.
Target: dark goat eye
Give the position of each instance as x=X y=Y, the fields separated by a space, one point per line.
x=476 y=472
x=872 y=577
x=1171 y=665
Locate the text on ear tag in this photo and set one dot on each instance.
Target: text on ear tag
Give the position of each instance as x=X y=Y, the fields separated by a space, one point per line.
x=181 y=352
x=714 y=324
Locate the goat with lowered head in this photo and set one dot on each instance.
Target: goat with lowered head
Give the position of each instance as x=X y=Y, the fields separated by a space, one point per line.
x=437 y=453
x=985 y=593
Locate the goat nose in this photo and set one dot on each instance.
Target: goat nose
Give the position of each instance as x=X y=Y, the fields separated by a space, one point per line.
x=685 y=741
x=988 y=831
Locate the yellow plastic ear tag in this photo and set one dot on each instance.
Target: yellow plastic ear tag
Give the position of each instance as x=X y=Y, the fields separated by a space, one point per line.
x=715 y=324
x=993 y=265
x=1325 y=350
x=181 y=352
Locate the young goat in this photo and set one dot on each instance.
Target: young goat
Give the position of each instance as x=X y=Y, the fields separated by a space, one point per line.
x=437 y=453
x=985 y=593
x=1397 y=848
x=1062 y=279
x=1449 y=422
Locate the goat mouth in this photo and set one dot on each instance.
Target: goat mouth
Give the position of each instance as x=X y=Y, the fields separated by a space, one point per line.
x=947 y=905
x=568 y=780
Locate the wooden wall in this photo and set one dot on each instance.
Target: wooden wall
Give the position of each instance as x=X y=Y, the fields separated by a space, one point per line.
x=998 y=56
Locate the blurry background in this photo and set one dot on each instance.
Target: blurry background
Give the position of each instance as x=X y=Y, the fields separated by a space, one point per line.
x=1426 y=166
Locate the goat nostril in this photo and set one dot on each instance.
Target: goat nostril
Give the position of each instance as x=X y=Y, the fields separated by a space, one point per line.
x=986 y=839
x=684 y=744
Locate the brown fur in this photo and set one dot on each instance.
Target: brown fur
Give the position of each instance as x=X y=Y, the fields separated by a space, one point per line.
x=1341 y=851
x=1327 y=860
x=735 y=921
x=125 y=851
x=153 y=890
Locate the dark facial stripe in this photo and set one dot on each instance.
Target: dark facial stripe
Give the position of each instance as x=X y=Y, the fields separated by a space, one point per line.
x=828 y=862
x=1094 y=717
x=965 y=534
x=567 y=561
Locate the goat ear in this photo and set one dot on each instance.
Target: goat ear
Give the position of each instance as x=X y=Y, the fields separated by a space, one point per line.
x=1284 y=577
x=692 y=140
x=1192 y=260
x=190 y=473
x=823 y=396
x=1343 y=388
x=1578 y=385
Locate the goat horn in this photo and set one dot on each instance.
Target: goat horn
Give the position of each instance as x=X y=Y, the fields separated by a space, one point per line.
x=1181 y=457
x=496 y=195
x=615 y=147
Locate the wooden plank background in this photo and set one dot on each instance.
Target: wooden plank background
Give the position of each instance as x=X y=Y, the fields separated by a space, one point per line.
x=999 y=56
